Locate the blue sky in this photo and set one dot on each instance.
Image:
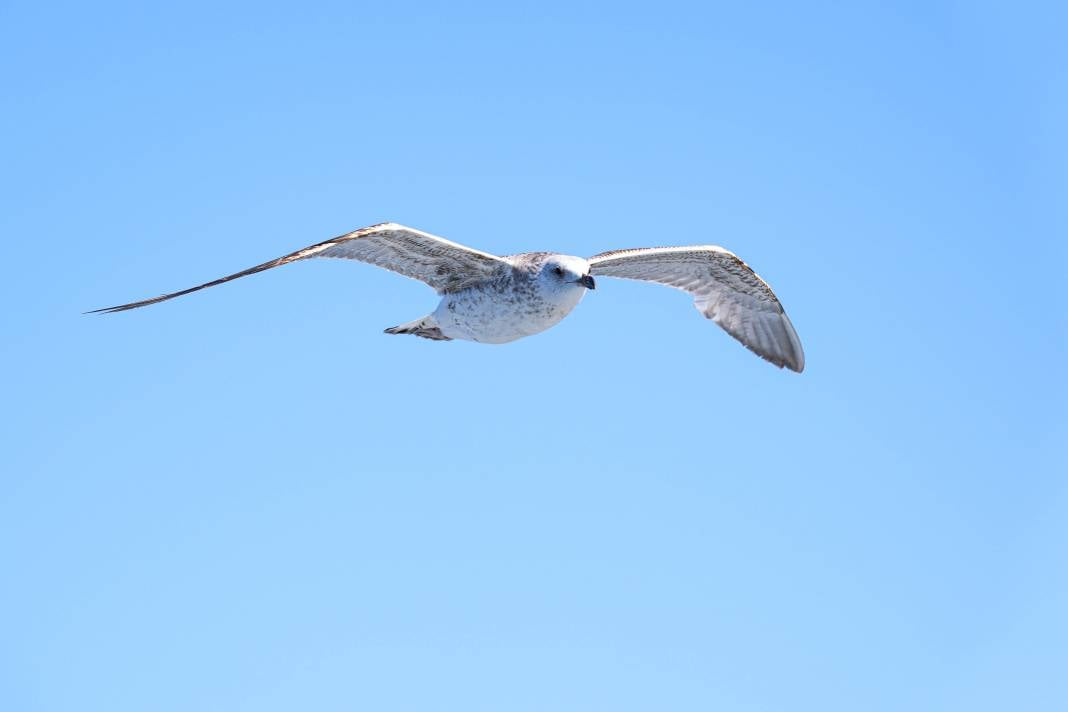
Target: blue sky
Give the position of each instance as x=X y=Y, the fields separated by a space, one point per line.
x=251 y=499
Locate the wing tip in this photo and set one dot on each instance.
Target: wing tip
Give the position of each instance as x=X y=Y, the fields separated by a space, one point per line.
x=134 y=305
x=790 y=362
x=105 y=310
x=776 y=342
x=796 y=361
x=786 y=353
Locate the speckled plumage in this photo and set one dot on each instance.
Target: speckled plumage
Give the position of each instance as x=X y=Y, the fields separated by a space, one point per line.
x=491 y=299
x=518 y=301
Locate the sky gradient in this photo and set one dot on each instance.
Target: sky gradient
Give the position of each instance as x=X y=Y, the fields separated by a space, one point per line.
x=252 y=499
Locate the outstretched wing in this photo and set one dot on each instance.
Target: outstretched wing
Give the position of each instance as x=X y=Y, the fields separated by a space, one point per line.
x=446 y=266
x=725 y=290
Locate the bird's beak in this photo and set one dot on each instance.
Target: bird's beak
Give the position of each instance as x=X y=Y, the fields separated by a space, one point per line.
x=587 y=281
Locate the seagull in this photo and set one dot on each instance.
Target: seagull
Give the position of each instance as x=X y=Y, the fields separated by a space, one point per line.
x=494 y=300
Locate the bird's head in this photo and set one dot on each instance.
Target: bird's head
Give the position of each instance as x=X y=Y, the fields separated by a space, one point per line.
x=564 y=272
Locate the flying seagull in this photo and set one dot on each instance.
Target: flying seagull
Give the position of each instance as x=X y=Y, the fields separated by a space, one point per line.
x=494 y=300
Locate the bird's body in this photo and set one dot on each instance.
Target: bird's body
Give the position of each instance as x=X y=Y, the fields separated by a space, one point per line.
x=494 y=300
x=521 y=301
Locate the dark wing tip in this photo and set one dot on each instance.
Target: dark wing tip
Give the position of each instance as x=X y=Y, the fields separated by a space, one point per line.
x=108 y=310
x=131 y=305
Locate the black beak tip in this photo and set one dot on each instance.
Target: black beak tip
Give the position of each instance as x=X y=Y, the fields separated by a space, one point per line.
x=587 y=282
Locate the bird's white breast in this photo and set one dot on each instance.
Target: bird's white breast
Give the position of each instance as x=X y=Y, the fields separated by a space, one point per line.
x=497 y=314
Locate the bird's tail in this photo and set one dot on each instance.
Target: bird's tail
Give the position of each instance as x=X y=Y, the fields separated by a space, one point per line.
x=426 y=328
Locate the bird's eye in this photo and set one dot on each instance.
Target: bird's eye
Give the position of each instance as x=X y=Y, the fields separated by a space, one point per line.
x=559 y=271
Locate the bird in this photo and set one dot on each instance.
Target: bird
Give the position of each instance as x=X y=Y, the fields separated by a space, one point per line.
x=494 y=299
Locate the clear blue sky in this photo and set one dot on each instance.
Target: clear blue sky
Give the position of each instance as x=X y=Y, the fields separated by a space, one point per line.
x=252 y=499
